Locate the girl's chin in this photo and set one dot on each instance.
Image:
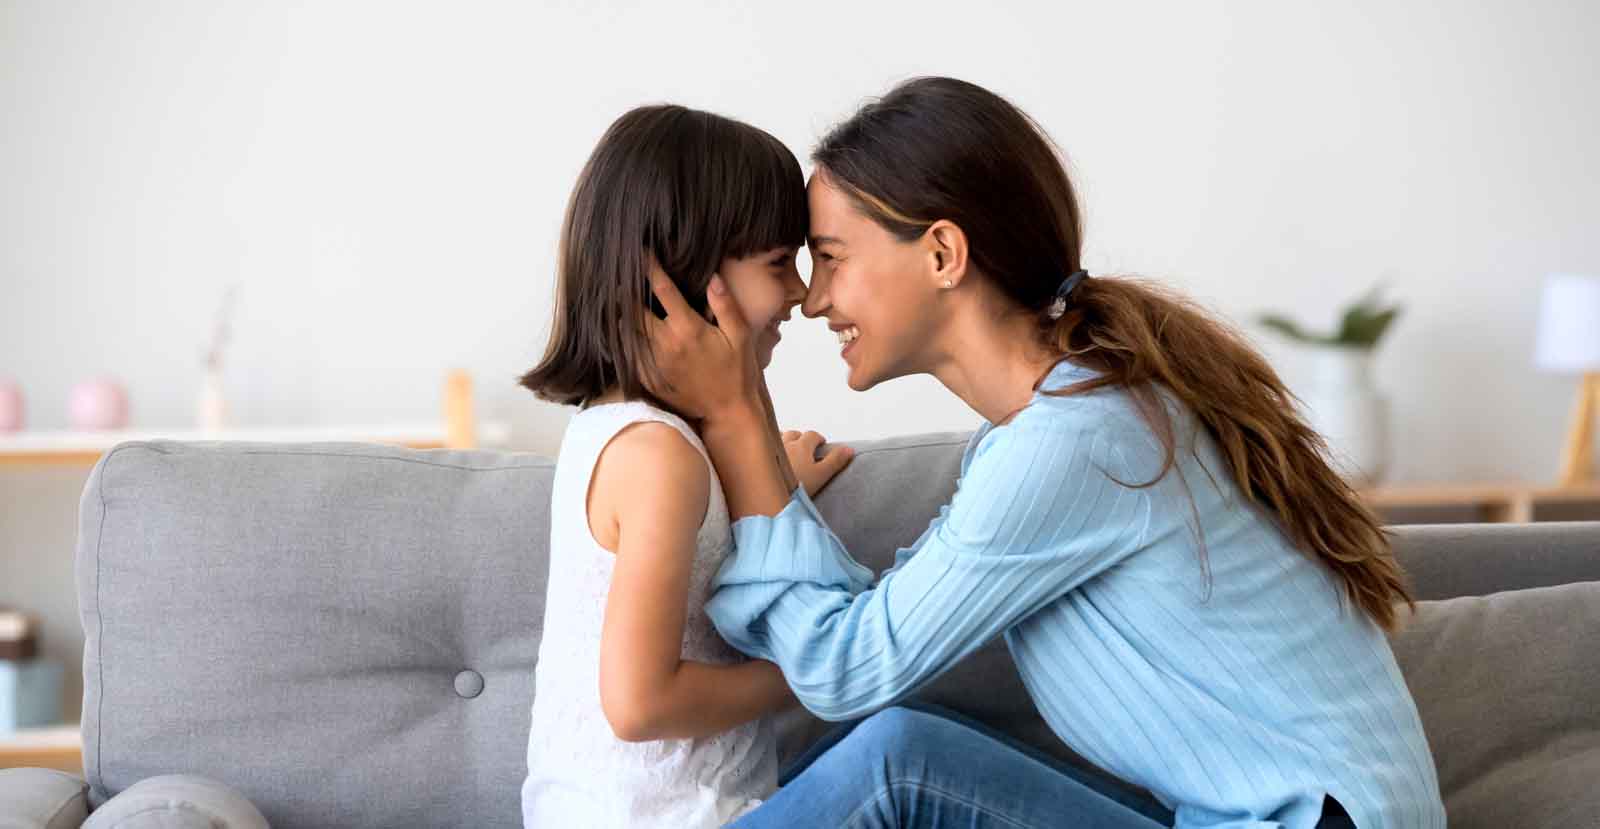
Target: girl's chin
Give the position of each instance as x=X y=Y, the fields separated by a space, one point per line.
x=765 y=344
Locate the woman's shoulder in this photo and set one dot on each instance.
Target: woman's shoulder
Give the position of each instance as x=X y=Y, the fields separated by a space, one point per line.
x=1104 y=425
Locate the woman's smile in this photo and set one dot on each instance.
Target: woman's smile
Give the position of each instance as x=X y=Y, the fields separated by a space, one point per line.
x=848 y=335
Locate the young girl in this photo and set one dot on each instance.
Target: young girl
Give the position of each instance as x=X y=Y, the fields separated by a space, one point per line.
x=642 y=716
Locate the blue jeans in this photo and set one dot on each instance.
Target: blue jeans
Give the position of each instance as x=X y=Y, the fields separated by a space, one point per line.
x=928 y=767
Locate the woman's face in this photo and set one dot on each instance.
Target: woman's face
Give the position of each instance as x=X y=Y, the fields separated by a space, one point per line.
x=878 y=293
x=767 y=287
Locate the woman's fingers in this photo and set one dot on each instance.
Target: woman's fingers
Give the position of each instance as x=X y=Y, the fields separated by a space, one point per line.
x=812 y=440
x=790 y=434
x=729 y=318
x=678 y=311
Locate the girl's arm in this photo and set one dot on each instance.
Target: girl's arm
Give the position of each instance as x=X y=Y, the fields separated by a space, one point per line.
x=649 y=494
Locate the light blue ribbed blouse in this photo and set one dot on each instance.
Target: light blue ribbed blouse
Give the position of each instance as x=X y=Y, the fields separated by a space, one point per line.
x=1238 y=690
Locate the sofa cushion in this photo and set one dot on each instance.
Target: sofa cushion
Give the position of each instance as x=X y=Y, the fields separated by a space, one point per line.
x=42 y=799
x=296 y=620
x=1449 y=560
x=1505 y=685
x=177 y=801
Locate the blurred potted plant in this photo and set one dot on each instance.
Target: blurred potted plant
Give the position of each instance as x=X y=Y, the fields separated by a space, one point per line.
x=1344 y=405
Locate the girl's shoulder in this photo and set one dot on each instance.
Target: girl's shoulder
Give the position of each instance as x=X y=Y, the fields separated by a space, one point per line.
x=643 y=432
x=603 y=422
x=646 y=464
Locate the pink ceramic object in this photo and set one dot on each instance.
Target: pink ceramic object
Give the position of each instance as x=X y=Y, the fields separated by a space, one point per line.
x=10 y=407
x=98 y=404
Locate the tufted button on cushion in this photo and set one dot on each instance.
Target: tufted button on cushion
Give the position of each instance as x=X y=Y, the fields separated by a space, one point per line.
x=469 y=684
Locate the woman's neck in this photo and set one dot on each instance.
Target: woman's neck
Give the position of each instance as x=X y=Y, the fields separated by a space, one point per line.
x=994 y=362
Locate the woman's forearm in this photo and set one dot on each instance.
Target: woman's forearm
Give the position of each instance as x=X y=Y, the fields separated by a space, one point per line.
x=749 y=464
x=790 y=480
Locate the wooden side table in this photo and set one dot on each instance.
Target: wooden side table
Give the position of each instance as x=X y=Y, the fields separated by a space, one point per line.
x=1495 y=503
x=54 y=747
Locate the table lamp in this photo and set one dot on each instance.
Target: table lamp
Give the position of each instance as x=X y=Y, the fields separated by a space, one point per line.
x=1569 y=343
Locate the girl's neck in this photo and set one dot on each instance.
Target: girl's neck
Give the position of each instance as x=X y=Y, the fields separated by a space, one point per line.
x=611 y=395
x=616 y=395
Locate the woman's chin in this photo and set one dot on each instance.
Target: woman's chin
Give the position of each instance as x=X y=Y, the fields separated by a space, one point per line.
x=857 y=379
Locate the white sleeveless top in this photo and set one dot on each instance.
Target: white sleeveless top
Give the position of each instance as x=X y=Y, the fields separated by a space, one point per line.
x=579 y=773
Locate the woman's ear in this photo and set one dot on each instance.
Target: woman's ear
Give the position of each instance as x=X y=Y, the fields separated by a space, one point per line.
x=946 y=246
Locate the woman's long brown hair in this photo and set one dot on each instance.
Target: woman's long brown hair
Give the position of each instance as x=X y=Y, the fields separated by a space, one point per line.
x=939 y=148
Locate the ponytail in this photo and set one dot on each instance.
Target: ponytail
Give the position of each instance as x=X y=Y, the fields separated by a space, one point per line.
x=1139 y=336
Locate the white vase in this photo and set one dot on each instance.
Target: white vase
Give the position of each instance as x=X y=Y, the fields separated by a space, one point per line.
x=1351 y=415
x=213 y=408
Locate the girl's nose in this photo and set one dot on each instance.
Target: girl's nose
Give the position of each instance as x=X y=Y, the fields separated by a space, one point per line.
x=794 y=289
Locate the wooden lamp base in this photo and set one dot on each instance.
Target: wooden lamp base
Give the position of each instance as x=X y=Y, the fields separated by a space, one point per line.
x=1577 y=459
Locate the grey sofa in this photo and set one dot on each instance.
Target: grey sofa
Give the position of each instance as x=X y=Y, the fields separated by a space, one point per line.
x=345 y=636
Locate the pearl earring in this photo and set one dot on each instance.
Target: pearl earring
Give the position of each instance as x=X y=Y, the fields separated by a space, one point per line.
x=948 y=284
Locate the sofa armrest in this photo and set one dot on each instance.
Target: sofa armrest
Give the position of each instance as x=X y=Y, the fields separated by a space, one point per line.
x=177 y=801
x=42 y=799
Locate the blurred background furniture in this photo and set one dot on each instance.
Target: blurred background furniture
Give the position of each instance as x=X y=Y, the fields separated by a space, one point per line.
x=1486 y=503
x=1569 y=343
x=459 y=430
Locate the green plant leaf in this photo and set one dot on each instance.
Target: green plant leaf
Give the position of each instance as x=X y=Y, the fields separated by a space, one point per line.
x=1366 y=320
x=1287 y=327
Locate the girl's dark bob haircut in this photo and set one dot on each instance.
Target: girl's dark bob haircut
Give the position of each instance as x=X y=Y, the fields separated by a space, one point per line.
x=686 y=186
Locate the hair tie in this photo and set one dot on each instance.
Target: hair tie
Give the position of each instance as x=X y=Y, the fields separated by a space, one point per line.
x=1058 y=305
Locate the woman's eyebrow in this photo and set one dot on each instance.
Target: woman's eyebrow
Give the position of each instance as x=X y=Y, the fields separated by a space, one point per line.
x=824 y=240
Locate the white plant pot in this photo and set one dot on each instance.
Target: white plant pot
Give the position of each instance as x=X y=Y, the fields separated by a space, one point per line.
x=213 y=406
x=1351 y=415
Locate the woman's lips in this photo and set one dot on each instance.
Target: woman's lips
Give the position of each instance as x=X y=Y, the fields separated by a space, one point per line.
x=848 y=337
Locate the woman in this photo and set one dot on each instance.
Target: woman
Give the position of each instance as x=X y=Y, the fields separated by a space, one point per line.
x=1194 y=599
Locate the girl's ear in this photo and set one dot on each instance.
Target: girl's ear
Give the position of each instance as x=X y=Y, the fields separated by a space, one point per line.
x=946 y=246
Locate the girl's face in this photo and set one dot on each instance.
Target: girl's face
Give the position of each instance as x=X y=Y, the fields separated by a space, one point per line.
x=878 y=293
x=767 y=286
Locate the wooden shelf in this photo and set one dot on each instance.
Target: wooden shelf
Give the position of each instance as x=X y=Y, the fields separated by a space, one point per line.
x=55 y=747
x=459 y=430
x=1516 y=503
x=84 y=448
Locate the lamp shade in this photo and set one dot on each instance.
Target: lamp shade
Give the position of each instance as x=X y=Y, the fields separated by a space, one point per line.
x=1569 y=324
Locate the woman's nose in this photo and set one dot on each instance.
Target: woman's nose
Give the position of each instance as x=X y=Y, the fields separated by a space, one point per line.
x=816 y=300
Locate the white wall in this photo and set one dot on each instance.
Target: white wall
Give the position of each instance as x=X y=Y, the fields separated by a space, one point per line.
x=384 y=183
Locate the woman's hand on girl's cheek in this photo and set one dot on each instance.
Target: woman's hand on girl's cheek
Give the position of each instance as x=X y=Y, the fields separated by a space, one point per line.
x=703 y=371
x=814 y=472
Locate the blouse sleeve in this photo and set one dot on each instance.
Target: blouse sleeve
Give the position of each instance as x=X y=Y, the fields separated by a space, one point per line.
x=1036 y=514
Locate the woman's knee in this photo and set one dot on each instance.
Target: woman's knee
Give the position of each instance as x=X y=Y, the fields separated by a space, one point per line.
x=900 y=733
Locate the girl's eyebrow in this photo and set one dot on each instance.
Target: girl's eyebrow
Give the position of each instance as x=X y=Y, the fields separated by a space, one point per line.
x=824 y=240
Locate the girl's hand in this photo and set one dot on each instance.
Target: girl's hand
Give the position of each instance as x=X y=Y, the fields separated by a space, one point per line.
x=706 y=372
x=814 y=473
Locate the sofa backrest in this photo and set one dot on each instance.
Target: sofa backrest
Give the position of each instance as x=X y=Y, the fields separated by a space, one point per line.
x=346 y=633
